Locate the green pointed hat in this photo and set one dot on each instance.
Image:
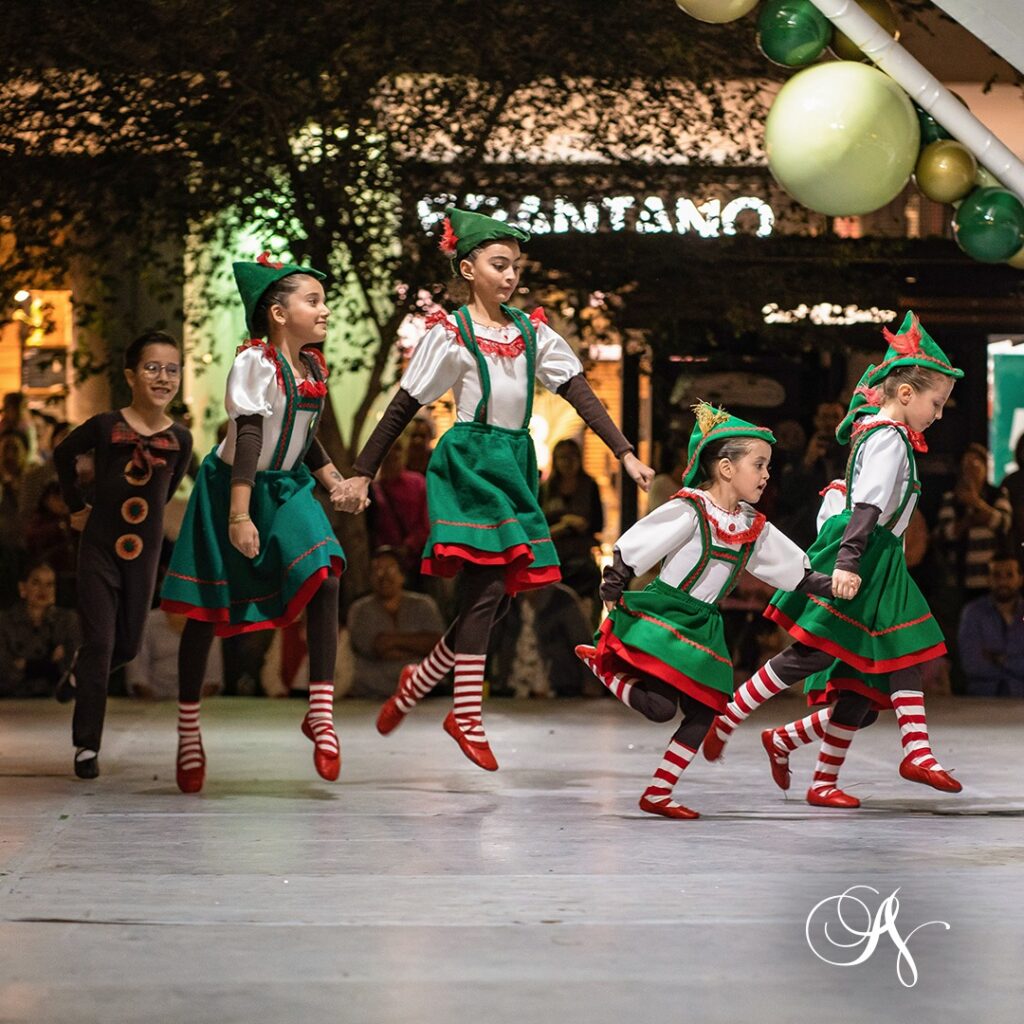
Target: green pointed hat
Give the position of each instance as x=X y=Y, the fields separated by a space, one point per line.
x=464 y=231
x=912 y=346
x=253 y=279
x=866 y=401
x=714 y=425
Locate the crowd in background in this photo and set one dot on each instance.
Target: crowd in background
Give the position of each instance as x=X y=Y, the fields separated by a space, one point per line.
x=965 y=556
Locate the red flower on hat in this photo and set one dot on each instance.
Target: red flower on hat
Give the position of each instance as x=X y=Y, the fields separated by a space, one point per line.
x=449 y=240
x=907 y=343
x=265 y=261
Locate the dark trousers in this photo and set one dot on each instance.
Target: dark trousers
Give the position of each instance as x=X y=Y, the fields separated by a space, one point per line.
x=114 y=598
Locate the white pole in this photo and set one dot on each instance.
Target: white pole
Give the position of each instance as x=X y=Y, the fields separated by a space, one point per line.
x=925 y=90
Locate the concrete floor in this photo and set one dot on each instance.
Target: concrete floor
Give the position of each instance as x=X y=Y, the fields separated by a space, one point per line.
x=420 y=889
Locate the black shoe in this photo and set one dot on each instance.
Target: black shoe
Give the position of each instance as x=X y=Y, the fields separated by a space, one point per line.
x=87 y=767
x=66 y=685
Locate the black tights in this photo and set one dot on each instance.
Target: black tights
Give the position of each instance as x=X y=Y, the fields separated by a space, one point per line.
x=658 y=702
x=321 y=641
x=482 y=603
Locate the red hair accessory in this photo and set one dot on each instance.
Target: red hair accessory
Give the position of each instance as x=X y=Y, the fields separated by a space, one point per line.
x=872 y=396
x=909 y=342
x=449 y=240
x=264 y=260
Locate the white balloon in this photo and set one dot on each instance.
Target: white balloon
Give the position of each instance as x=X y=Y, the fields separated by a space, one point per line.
x=717 y=12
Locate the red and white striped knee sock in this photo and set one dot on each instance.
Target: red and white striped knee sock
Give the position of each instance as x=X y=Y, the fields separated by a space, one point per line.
x=427 y=674
x=664 y=780
x=910 y=716
x=805 y=730
x=469 y=694
x=619 y=684
x=190 y=743
x=749 y=696
x=834 y=746
x=321 y=717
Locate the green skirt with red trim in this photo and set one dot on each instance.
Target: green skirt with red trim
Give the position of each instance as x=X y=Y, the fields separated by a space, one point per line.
x=887 y=626
x=482 y=498
x=663 y=632
x=210 y=580
x=825 y=687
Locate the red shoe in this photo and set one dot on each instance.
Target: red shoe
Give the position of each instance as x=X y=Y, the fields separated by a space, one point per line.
x=937 y=778
x=713 y=745
x=190 y=780
x=586 y=652
x=831 y=798
x=391 y=715
x=666 y=808
x=328 y=766
x=479 y=753
x=779 y=760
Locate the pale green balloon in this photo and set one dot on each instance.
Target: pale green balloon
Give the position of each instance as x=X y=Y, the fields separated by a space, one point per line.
x=718 y=12
x=842 y=138
x=1017 y=262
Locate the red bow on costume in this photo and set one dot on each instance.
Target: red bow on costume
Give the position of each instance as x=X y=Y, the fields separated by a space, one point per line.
x=143 y=458
x=915 y=437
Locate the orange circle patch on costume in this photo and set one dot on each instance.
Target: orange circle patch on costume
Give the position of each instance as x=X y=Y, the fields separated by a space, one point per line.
x=134 y=477
x=135 y=510
x=128 y=546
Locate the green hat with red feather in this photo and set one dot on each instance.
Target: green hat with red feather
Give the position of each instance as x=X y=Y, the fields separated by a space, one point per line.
x=912 y=345
x=465 y=230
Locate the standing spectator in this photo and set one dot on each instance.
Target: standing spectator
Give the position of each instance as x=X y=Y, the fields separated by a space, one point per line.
x=419 y=443
x=992 y=634
x=389 y=628
x=670 y=474
x=398 y=513
x=1013 y=484
x=48 y=535
x=37 y=639
x=535 y=645
x=13 y=454
x=974 y=519
x=800 y=480
x=571 y=502
x=38 y=476
x=14 y=419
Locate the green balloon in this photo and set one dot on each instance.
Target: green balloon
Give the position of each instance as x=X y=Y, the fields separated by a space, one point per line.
x=792 y=32
x=842 y=138
x=931 y=130
x=989 y=225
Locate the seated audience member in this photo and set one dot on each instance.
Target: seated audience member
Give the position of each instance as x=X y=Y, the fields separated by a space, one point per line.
x=49 y=538
x=534 y=645
x=419 y=444
x=38 y=640
x=992 y=634
x=389 y=628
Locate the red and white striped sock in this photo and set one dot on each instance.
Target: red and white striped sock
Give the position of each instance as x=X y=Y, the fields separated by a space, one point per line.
x=909 y=708
x=749 y=696
x=321 y=717
x=797 y=734
x=469 y=694
x=619 y=684
x=834 y=746
x=664 y=780
x=428 y=673
x=190 y=743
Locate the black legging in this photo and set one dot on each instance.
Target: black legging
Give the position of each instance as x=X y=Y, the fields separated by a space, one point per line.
x=321 y=642
x=482 y=603
x=658 y=701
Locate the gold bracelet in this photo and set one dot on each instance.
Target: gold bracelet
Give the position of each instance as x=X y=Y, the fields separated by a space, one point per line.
x=238 y=517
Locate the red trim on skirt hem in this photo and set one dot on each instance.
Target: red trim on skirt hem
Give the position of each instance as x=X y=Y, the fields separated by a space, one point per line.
x=855 y=660
x=220 y=616
x=610 y=647
x=879 y=701
x=447 y=559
